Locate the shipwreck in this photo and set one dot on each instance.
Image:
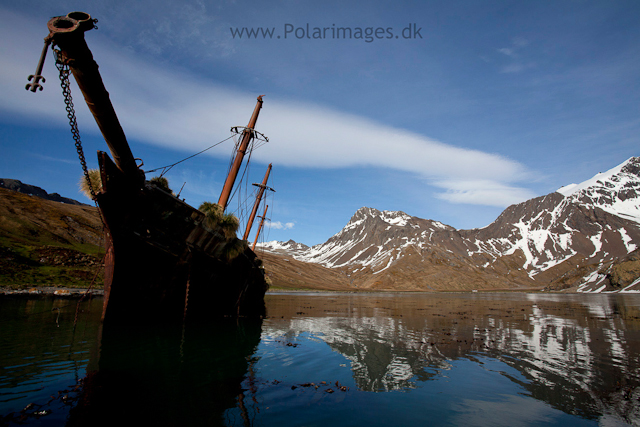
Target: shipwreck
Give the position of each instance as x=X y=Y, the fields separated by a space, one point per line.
x=165 y=260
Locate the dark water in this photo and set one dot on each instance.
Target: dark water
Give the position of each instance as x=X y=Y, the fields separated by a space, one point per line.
x=332 y=359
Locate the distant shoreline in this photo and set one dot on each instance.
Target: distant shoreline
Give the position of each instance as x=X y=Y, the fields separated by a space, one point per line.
x=50 y=291
x=66 y=292
x=62 y=292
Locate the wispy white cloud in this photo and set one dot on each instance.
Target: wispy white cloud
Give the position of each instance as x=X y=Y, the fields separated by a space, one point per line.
x=513 y=68
x=174 y=109
x=20 y=45
x=480 y=192
x=55 y=159
x=507 y=51
x=517 y=61
x=280 y=226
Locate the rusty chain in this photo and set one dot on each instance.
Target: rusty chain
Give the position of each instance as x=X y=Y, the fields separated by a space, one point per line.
x=71 y=115
x=73 y=123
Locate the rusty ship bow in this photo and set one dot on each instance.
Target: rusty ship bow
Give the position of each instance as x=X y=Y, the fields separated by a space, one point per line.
x=164 y=261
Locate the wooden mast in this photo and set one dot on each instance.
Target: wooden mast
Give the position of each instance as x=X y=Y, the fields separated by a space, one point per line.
x=262 y=187
x=247 y=135
x=253 y=248
x=67 y=33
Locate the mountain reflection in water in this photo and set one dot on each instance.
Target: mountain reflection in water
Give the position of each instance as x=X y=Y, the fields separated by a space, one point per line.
x=577 y=353
x=331 y=359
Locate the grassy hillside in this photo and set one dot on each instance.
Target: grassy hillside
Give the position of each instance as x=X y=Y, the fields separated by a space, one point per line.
x=285 y=273
x=46 y=243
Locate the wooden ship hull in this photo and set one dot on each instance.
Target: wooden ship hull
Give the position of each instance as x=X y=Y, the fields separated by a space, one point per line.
x=164 y=261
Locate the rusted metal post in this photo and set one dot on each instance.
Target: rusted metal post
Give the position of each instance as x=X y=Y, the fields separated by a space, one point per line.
x=247 y=135
x=67 y=32
x=262 y=187
x=253 y=248
x=35 y=78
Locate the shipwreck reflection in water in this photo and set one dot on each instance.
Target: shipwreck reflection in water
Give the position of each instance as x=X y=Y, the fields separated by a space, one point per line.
x=53 y=374
x=168 y=375
x=577 y=353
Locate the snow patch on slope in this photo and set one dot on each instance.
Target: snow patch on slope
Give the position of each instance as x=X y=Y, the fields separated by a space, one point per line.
x=614 y=191
x=597 y=180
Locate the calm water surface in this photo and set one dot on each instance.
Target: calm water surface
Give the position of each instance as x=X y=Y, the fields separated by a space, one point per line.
x=332 y=359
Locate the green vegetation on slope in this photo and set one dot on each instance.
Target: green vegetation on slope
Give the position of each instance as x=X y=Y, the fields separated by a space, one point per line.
x=48 y=243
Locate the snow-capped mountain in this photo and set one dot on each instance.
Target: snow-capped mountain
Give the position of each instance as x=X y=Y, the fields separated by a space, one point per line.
x=572 y=238
x=290 y=247
x=615 y=191
x=373 y=238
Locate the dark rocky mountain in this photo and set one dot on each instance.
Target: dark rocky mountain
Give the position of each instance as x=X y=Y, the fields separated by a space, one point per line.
x=32 y=190
x=584 y=237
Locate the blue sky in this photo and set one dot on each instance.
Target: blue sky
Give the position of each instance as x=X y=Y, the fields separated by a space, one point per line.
x=488 y=103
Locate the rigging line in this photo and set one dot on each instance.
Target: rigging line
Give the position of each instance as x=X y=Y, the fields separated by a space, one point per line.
x=186 y=158
x=237 y=190
x=260 y=237
x=237 y=140
x=232 y=156
x=243 y=211
x=245 y=207
x=242 y=189
x=272 y=194
x=244 y=203
x=269 y=214
x=247 y=203
x=244 y=172
x=260 y=144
